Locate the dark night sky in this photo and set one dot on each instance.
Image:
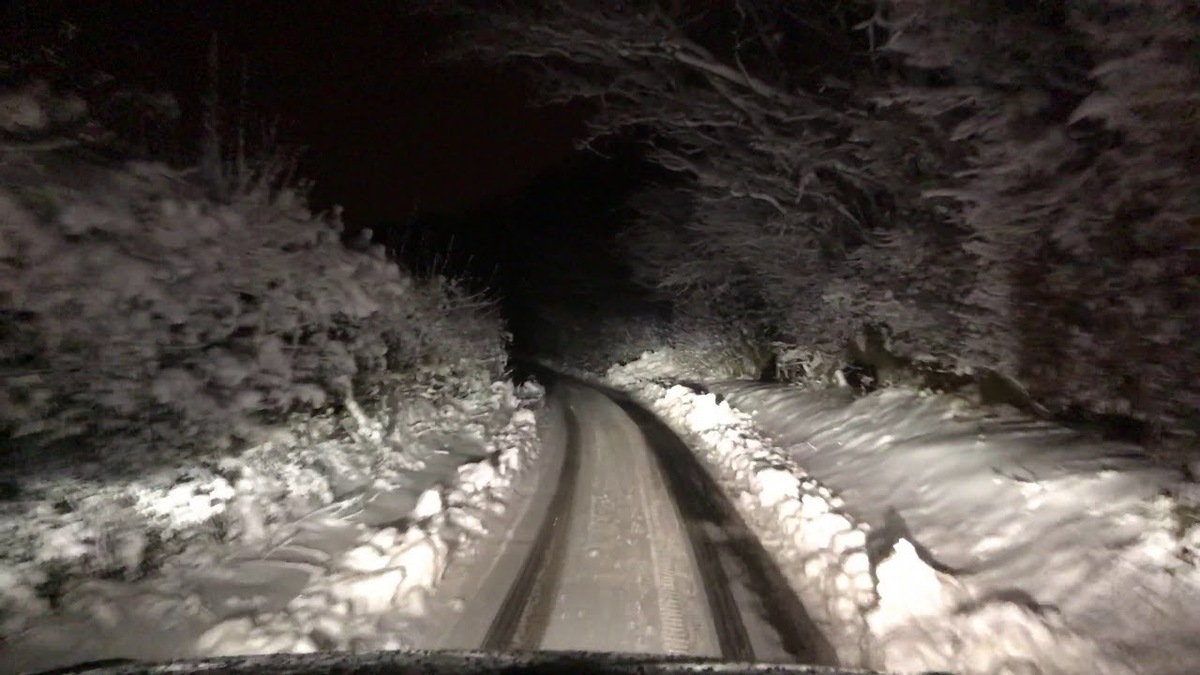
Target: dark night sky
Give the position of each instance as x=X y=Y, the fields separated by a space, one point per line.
x=386 y=129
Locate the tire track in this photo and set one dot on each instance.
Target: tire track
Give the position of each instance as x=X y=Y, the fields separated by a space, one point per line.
x=719 y=540
x=526 y=611
x=715 y=528
x=676 y=637
x=630 y=582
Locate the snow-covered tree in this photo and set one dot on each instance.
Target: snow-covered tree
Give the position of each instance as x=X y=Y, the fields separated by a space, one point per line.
x=1003 y=185
x=1082 y=127
x=798 y=196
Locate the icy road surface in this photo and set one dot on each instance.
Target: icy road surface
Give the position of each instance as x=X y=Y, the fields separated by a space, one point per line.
x=633 y=549
x=629 y=579
x=607 y=535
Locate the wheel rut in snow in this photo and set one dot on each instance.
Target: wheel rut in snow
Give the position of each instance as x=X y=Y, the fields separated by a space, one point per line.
x=678 y=539
x=631 y=582
x=718 y=532
x=522 y=619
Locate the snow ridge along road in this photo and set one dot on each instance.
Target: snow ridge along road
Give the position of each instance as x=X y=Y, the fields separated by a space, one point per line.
x=638 y=550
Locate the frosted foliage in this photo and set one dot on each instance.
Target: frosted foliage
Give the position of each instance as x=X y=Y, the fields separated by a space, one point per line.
x=1080 y=192
x=1005 y=185
x=133 y=306
x=781 y=193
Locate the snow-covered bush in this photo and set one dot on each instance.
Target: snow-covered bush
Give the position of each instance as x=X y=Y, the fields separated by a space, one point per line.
x=135 y=312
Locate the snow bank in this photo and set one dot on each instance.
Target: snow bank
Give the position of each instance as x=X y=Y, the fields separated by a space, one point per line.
x=1066 y=550
x=373 y=595
x=354 y=572
x=925 y=534
x=821 y=549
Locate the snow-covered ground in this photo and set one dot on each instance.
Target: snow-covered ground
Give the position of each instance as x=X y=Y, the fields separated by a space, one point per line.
x=348 y=563
x=924 y=533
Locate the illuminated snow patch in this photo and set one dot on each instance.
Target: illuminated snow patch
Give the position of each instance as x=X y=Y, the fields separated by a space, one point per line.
x=1000 y=544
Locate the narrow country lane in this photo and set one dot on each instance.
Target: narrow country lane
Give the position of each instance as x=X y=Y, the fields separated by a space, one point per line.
x=631 y=582
x=629 y=546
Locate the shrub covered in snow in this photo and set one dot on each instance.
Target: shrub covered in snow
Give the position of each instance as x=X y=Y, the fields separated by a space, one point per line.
x=145 y=328
x=136 y=312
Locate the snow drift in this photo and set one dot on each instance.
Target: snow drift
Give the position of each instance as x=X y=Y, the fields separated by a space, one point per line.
x=924 y=533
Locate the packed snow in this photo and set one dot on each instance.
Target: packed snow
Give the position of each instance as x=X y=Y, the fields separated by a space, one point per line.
x=925 y=533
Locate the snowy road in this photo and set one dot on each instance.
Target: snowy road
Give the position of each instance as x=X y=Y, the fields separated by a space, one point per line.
x=633 y=548
x=611 y=538
x=628 y=567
